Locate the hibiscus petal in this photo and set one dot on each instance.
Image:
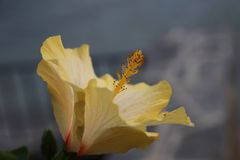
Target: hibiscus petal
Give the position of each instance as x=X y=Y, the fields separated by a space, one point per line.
x=108 y=81
x=61 y=94
x=177 y=116
x=78 y=121
x=52 y=48
x=142 y=103
x=73 y=65
x=104 y=130
x=121 y=139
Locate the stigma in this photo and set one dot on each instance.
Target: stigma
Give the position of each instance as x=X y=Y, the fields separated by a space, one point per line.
x=134 y=62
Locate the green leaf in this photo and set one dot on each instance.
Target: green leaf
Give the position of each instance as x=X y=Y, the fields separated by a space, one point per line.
x=7 y=156
x=48 y=146
x=21 y=153
x=16 y=154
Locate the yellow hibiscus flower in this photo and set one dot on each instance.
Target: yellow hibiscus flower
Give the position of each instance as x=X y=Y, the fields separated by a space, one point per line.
x=97 y=115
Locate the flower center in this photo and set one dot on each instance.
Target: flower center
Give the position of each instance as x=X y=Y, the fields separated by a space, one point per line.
x=134 y=61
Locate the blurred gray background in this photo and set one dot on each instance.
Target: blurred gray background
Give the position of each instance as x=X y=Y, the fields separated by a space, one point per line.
x=192 y=44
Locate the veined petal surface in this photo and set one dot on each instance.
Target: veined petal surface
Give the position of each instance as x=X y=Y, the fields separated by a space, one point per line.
x=177 y=116
x=121 y=140
x=73 y=65
x=104 y=130
x=141 y=103
x=62 y=97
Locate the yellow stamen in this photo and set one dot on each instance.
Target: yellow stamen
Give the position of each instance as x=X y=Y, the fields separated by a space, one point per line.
x=133 y=63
